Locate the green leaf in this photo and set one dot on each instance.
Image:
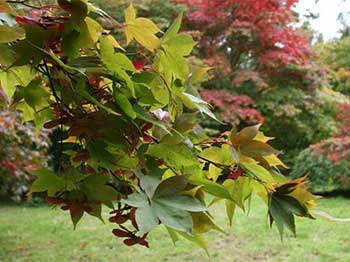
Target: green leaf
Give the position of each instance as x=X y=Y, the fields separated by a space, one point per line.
x=34 y=94
x=173 y=29
x=254 y=169
x=72 y=179
x=111 y=59
x=181 y=44
x=212 y=188
x=100 y=156
x=181 y=202
x=137 y=200
x=230 y=210
x=203 y=223
x=171 y=186
x=175 y=218
x=96 y=211
x=149 y=183
x=173 y=235
x=281 y=216
x=80 y=88
x=146 y=219
x=240 y=190
x=76 y=218
x=199 y=104
x=293 y=205
x=41 y=118
x=124 y=103
x=178 y=156
x=77 y=8
x=146 y=116
x=9 y=79
x=96 y=190
x=47 y=181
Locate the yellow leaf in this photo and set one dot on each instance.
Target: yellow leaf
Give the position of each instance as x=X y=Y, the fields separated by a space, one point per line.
x=193 y=191
x=114 y=42
x=273 y=160
x=71 y=139
x=141 y=29
x=130 y=13
x=262 y=138
x=4 y=7
x=214 y=172
x=94 y=29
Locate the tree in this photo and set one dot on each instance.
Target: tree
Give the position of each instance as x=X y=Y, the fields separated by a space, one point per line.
x=256 y=50
x=333 y=55
x=131 y=110
x=271 y=45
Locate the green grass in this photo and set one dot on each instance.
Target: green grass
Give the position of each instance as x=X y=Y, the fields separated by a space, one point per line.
x=43 y=234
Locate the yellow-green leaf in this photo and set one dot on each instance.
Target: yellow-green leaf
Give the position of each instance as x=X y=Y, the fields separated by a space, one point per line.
x=273 y=160
x=245 y=135
x=141 y=29
x=8 y=34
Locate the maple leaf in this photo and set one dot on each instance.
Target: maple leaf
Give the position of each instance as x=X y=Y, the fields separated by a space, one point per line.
x=141 y=29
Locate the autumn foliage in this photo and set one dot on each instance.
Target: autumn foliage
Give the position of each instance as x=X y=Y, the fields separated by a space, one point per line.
x=134 y=142
x=259 y=30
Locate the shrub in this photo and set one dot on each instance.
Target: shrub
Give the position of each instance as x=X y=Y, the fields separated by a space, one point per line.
x=327 y=165
x=21 y=151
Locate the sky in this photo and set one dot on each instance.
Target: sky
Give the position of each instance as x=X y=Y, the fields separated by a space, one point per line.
x=328 y=10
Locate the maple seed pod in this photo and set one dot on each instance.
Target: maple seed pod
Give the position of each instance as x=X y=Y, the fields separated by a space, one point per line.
x=146 y=138
x=139 y=64
x=130 y=241
x=236 y=174
x=147 y=126
x=120 y=233
x=119 y=219
x=133 y=218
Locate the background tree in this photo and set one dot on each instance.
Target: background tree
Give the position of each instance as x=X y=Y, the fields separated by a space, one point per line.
x=256 y=50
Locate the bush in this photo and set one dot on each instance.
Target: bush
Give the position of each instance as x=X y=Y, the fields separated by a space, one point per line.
x=297 y=119
x=21 y=151
x=327 y=165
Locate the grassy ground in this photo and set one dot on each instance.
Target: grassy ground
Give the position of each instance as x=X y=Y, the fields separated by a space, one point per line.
x=42 y=234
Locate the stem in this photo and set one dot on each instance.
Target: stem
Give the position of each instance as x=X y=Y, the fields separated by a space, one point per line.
x=52 y=87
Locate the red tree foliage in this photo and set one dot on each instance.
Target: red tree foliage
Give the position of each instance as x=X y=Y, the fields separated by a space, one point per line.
x=249 y=41
x=233 y=108
x=344 y=119
x=262 y=28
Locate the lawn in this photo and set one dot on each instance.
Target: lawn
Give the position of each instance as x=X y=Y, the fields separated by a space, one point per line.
x=44 y=234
